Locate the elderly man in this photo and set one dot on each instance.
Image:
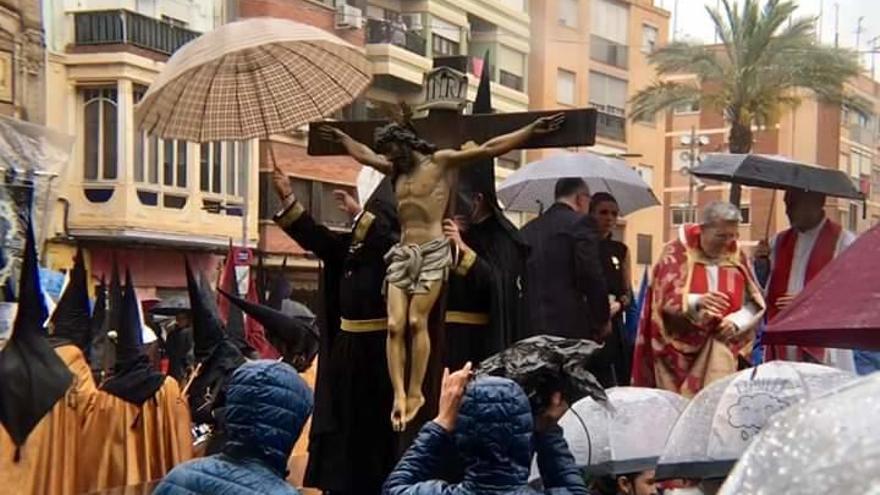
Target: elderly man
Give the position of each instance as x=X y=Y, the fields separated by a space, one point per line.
x=702 y=308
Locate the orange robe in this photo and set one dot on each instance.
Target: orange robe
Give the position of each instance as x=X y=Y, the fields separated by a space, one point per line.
x=48 y=464
x=674 y=350
x=125 y=444
x=296 y=464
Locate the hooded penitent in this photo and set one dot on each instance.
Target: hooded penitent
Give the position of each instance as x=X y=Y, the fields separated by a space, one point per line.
x=71 y=322
x=296 y=336
x=32 y=376
x=140 y=428
x=134 y=380
x=216 y=356
x=38 y=446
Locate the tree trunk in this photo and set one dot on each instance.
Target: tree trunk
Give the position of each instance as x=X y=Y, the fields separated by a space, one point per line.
x=740 y=141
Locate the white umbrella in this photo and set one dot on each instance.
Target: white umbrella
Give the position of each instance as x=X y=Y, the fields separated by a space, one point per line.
x=531 y=187
x=720 y=421
x=624 y=435
x=828 y=445
x=368 y=181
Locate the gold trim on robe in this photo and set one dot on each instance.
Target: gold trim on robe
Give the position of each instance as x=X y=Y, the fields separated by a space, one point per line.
x=468 y=258
x=290 y=213
x=467 y=318
x=357 y=326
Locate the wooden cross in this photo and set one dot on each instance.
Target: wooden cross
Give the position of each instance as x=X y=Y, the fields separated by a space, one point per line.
x=449 y=129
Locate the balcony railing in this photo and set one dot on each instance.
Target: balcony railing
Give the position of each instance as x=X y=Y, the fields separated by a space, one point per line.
x=111 y=27
x=608 y=52
x=611 y=126
x=384 y=32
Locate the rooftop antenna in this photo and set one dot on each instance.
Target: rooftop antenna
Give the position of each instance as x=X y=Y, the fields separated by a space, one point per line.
x=836 y=25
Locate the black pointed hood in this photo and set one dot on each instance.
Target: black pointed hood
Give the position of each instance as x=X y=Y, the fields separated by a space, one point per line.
x=280 y=288
x=32 y=377
x=235 y=327
x=480 y=176
x=294 y=332
x=383 y=203
x=134 y=380
x=207 y=326
x=71 y=321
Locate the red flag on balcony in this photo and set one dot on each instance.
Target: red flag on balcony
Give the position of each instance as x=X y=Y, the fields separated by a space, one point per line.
x=236 y=270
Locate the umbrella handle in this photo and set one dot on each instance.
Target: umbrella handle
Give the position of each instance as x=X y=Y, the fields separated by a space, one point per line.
x=587 y=433
x=770 y=215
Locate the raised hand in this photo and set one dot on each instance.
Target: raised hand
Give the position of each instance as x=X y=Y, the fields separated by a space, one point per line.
x=451 y=392
x=452 y=232
x=548 y=124
x=346 y=202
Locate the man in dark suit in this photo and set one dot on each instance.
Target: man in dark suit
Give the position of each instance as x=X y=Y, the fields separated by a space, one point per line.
x=565 y=287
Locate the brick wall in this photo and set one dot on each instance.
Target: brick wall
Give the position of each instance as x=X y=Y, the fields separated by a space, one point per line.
x=306 y=11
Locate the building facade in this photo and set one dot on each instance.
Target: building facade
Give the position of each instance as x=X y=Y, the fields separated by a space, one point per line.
x=815 y=132
x=143 y=200
x=594 y=53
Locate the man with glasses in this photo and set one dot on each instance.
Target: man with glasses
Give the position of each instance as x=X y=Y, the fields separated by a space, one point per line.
x=565 y=286
x=700 y=314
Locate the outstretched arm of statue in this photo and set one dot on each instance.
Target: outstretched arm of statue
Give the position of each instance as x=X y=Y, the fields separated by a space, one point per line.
x=500 y=145
x=359 y=151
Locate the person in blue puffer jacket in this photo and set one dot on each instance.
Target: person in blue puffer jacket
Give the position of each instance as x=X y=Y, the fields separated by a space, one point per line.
x=490 y=422
x=266 y=406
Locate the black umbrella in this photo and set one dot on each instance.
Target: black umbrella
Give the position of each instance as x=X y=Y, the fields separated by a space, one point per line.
x=776 y=172
x=544 y=364
x=171 y=306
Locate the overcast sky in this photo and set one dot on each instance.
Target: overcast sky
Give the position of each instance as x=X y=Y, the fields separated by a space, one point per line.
x=693 y=21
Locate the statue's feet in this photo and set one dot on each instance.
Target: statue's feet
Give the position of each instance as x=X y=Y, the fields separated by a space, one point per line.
x=398 y=414
x=413 y=405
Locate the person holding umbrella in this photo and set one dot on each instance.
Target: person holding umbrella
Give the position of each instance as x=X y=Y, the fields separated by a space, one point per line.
x=797 y=255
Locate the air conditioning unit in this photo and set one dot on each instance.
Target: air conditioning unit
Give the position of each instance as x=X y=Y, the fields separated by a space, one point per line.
x=349 y=17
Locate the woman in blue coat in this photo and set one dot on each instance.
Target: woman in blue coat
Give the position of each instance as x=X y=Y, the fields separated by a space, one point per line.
x=266 y=406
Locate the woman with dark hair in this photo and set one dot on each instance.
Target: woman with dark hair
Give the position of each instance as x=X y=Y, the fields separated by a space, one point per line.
x=614 y=257
x=639 y=483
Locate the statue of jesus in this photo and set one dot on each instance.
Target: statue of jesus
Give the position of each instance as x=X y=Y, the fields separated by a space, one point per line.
x=419 y=264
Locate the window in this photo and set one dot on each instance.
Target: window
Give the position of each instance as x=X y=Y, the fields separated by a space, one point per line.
x=445 y=37
x=100 y=133
x=223 y=167
x=649 y=38
x=511 y=67
x=443 y=46
x=686 y=108
x=609 y=20
x=860 y=163
x=565 y=87
x=682 y=215
x=568 y=13
x=853 y=217
x=608 y=94
x=170 y=156
x=647 y=173
x=745 y=213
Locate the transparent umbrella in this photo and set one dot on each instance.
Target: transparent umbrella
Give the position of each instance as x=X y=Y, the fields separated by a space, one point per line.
x=624 y=435
x=721 y=420
x=828 y=445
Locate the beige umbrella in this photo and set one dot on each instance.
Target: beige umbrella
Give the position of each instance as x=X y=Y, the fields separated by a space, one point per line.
x=250 y=79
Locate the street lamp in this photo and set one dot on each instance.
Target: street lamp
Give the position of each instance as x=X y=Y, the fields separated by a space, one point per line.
x=692 y=155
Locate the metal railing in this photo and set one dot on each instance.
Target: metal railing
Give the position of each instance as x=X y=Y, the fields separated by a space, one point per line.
x=379 y=31
x=608 y=52
x=110 y=27
x=611 y=126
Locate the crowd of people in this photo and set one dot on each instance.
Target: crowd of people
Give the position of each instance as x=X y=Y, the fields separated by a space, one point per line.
x=85 y=407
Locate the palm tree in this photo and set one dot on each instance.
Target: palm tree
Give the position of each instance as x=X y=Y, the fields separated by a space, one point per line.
x=750 y=76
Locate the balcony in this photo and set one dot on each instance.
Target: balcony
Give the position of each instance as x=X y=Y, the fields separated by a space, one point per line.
x=510 y=80
x=115 y=27
x=608 y=52
x=381 y=32
x=611 y=126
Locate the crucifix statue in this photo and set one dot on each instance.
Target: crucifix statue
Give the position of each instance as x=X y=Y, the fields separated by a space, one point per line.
x=422 y=173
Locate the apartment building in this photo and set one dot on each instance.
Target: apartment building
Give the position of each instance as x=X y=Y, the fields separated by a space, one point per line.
x=815 y=132
x=144 y=200
x=594 y=53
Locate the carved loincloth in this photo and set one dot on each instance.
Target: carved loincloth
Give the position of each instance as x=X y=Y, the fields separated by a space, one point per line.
x=414 y=268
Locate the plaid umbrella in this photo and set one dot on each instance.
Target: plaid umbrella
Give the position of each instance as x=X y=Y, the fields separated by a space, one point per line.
x=250 y=79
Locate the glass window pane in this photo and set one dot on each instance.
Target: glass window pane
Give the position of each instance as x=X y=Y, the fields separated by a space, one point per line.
x=181 y=163
x=231 y=160
x=217 y=168
x=139 y=156
x=109 y=138
x=168 y=162
x=92 y=132
x=153 y=170
x=204 y=166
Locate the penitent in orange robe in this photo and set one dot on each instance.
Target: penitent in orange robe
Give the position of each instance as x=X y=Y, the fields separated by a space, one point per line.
x=126 y=444
x=296 y=464
x=48 y=459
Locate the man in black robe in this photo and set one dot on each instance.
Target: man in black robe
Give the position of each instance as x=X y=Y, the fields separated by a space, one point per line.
x=484 y=311
x=351 y=445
